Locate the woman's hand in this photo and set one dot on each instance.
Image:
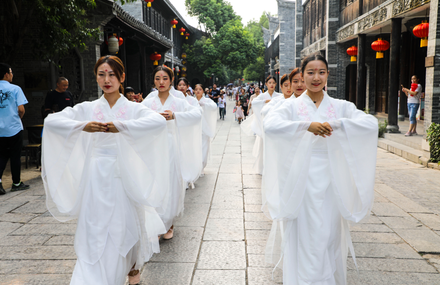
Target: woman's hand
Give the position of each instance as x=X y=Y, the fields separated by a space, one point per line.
x=168 y=115
x=267 y=101
x=320 y=129
x=139 y=97
x=111 y=128
x=95 y=127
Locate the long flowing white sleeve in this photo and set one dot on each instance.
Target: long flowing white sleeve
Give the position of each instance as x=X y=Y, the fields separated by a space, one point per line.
x=352 y=152
x=189 y=126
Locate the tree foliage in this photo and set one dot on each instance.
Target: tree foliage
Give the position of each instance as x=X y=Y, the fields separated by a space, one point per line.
x=214 y=14
x=228 y=49
x=59 y=25
x=255 y=70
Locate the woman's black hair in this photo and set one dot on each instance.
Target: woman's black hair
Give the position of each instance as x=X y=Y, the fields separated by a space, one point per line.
x=166 y=69
x=184 y=80
x=312 y=57
x=284 y=78
x=271 y=77
x=293 y=73
x=201 y=86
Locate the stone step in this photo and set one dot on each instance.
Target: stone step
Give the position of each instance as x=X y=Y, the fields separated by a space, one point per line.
x=405 y=151
x=412 y=141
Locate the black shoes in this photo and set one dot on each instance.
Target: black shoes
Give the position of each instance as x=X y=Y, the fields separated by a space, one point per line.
x=20 y=187
x=2 y=191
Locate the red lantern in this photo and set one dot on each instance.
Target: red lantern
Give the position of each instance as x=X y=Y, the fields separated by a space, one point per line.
x=187 y=35
x=379 y=46
x=353 y=52
x=149 y=2
x=121 y=41
x=422 y=31
x=182 y=30
x=155 y=57
x=174 y=23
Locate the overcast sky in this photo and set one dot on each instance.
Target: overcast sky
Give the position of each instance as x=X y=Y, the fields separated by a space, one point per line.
x=246 y=9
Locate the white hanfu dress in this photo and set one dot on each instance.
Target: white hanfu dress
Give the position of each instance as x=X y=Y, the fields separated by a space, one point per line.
x=185 y=157
x=173 y=91
x=192 y=101
x=257 y=127
x=314 y=185
x=110 y=182
x=209 y=125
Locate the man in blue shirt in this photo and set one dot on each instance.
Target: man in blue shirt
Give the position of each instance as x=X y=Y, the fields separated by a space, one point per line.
x=12 y=102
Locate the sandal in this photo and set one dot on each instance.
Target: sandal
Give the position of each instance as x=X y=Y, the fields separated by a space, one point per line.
x=169 y=234
x=134 y=277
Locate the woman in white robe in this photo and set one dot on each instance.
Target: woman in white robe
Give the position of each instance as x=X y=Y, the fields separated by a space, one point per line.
x=257 y=121
x=97 y=169
x=209 y=122
x=319 y=175
x=257 y=93
x=182 y=86
x=184 y=125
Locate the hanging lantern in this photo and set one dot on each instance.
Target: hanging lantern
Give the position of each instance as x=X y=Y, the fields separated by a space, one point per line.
x=187 y=35
x=183 y=61
x=379 y=46
x=149 y=2
x=183 y=74
x=174 y=23
x=121 y=41
x=182 y=30
x=422 y=31
x=353 y=52
x=183 y=68
x=183 y=55
x=155 y=57
x=113 y=44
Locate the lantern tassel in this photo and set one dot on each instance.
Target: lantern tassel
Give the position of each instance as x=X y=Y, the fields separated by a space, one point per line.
x=149 y=4
x=379 y=55
x=174 y=26
x=424 y=42
x=155 y=62
x=353 y=58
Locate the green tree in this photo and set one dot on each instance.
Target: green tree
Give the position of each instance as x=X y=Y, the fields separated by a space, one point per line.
x=228 y=48
x=214 y=14
x=255 y=70
x=59 y=25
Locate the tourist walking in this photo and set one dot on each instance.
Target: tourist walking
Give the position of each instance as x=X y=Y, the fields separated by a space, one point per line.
x=414 y=94
x=12 y=101
x=222 y=106
x=319 y=174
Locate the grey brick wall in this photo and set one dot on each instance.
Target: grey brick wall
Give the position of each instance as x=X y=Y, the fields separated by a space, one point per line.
x=286 y=17
x=298 y=32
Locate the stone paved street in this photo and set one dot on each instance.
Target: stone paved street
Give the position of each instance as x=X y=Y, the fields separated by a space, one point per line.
x=220 y=239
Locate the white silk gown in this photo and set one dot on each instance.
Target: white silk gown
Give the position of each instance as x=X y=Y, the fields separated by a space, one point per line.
x=209 y=124
x=256 y=126
x=185 y=157
x=314 y=185
x=110 y=182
